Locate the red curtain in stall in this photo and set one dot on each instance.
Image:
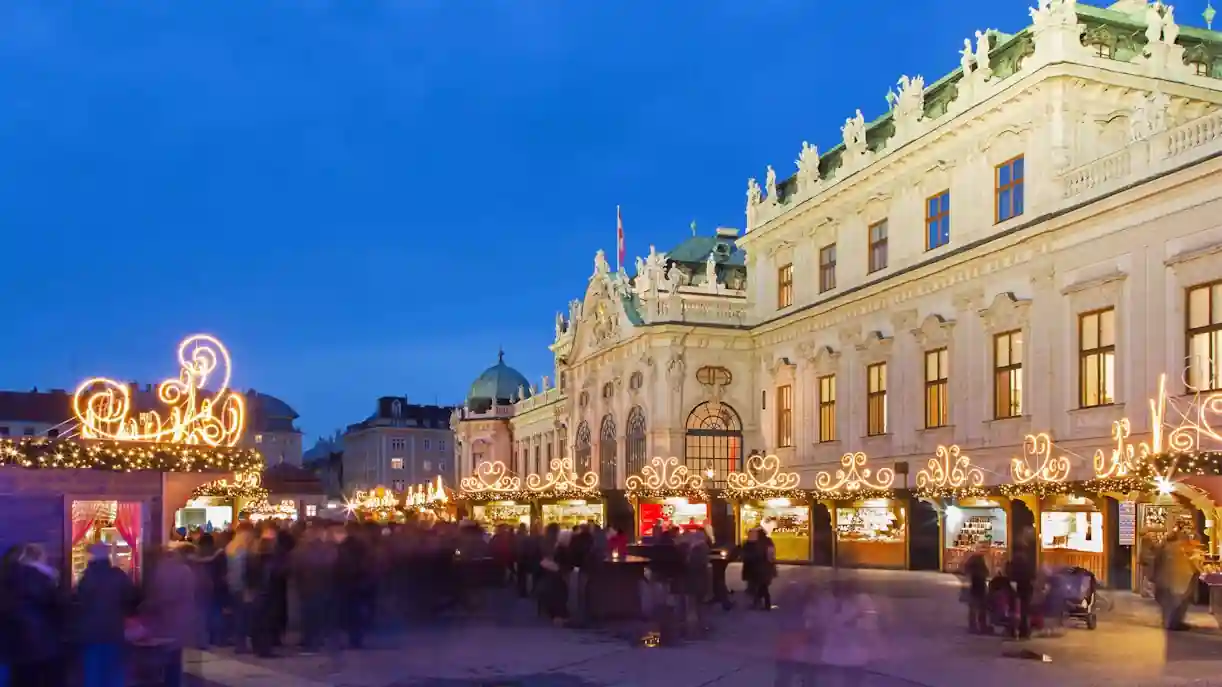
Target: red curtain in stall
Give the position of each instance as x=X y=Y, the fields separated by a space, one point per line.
x=81 y=524
x=127 y=522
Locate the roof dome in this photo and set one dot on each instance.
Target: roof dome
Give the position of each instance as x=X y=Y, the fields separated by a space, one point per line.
x=500 y=382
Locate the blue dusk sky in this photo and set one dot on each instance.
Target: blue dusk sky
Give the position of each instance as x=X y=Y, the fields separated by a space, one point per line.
x=367 y=198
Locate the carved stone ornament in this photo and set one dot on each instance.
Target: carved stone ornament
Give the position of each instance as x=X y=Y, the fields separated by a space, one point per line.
x=875 y=345
x=674 y=371
x=934 y=332
x=823 y=358
x=808 y=168
x=904 y=320
x=908 y=106
x=1162 y=55
x=1006 y=313
x=854 y=135
x=770 y=185
x=1148 y=116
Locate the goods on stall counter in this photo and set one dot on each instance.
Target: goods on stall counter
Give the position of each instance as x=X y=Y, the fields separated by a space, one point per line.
x=976 y=529
x=868 y=524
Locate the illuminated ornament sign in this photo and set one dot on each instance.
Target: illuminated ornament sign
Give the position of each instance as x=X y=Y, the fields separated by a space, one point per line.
x=430 y=494
x=244 y=485
x=285 y=510
x=664 y=476
x=1038 y=464
x=761 y=475
x=491 y=477
x=380 y=499
x=194 y=415
x=854 y=477
x=1123 y=460
x=563 y=479
x=950 y=472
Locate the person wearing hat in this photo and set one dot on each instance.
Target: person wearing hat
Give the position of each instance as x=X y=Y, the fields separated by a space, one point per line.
x=104 y=599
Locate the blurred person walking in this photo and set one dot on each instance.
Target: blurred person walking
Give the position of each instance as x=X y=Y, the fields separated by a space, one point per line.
x=105 y=597
x=38 y=617
x=169 y=609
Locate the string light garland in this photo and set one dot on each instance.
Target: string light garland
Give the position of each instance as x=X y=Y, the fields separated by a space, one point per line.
x=951 y=493
x=666 y=478
x=126 y=456
x=762 y=478
x=104 y=407
x=858 y=494
x=245 y=485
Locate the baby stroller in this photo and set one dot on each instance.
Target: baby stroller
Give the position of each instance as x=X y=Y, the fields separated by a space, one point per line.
x=1001 y=603
x=1076 y=587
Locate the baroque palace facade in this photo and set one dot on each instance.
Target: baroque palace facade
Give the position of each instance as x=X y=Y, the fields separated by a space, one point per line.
x=914 y=287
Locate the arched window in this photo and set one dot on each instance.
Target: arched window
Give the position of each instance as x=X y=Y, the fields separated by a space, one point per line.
x=714 y=445
x=607 y=453
x=635 y=453
x=581 y=450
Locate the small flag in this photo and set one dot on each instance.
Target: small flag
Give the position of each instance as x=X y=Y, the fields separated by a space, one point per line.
x=619 y=239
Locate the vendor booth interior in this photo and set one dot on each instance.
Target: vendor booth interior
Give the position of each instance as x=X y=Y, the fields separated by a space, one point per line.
x=767 y=498
x=667 y=494
x=494 y=496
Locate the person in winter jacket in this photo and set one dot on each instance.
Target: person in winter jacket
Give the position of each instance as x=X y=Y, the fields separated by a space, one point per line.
x=38 y=617
x=169 y=609
x=105 y=597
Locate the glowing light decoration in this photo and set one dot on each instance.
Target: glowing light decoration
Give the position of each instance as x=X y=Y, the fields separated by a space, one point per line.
x=380 y=499
x=285 y=510
x=761 y=474
x=491 y=477
x=1037 y=452
x=950 y=473
x=563 y=478
x=105 y=411
x=430 y=494
x=853 y=476
x=664 y=476
x=1123 y=460
x=245 y=485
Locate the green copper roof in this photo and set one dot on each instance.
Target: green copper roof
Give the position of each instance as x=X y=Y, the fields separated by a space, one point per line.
x=697 y=248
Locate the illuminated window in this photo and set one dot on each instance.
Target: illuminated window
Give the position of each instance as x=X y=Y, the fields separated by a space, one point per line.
x=827 y=408
x=937 y=364
x=827 y=268
x=1097 y=358
x=258 y=438
x=396 y=463
x=713 y=442
x=784 y=416
x=784 y=287
x=878 y=246
x=937 y=221
x=311 y=511
x=1008 y=189
x=876 y=399
x=1008 y=375
x=1205 y=337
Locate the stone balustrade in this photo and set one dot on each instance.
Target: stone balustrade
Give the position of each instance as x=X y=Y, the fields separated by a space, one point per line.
x=539 y=400
x=1158 y=154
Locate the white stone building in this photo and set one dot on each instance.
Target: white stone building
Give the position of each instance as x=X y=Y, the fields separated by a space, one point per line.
x=1010 y=249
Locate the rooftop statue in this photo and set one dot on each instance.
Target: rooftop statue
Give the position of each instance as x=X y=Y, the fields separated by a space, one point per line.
x=854 y=133
x=966 y=57
x=770 y=184
x=982 y=55
x=754 y=195
x=1154 y=25
x=560 y=326
x=710 y=273
x=1171 y=30
x=808 y=166
x=908 y=106
x=600 y=263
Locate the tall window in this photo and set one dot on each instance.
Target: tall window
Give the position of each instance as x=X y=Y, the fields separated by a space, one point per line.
x=878 y=246
x=1008 y=189
x=1097 y=358
x=1008 y=375
x=827 y=268
x=937 y=221
x=784 y=416
x=937 y=407
x=1205 y=337
x=581 y=449
x=827 y=408
x=784 y=287
x=608 y=453
x=876 y=399
x=635 y=455
x=714 y=442
x=539 y=467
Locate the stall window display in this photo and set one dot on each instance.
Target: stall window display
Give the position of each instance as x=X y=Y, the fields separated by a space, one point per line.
x=491 y=515
x=673 y=513
x=788 y=526
x=871 y=533
x=569 y=514
x=1073 y=537
x=204 y=513
x=970 y=526
x=1155 y=522
x=118 y=524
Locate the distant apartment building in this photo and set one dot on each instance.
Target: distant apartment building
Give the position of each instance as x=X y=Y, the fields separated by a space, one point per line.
x=326 y=460
x=269 y=422
x=399 y=445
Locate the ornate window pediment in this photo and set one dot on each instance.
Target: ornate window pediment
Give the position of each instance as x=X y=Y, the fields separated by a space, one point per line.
x=823 y=359
x=934 y=332
x=1006 y=313
x=875 y=346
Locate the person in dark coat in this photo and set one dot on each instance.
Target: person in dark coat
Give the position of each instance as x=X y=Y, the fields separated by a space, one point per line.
x=38 y=621
x=1022 y=573
x=261 y=571
x=976 y=570
x=105 y=597
x=354 y=585
x=7 y=620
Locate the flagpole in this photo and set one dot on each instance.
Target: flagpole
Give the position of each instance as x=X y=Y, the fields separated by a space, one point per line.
x=619 y=238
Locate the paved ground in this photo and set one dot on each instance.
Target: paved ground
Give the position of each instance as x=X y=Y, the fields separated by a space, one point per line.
x=924 y=644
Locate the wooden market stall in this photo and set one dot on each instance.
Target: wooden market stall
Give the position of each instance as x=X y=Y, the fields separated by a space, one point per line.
x=128 y=460
x=869 y=521
x=566 y=498
x=970 y=519
x=431 y=501
x=494 y=496
x=667 y=494
x=765 y=497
